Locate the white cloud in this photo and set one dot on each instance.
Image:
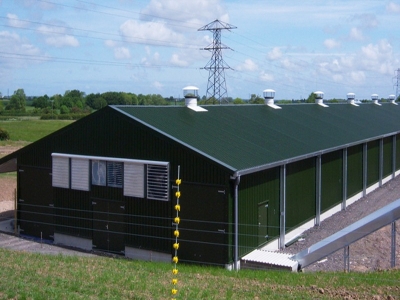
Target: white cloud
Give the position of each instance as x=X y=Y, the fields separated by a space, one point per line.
x=366 y=20
x=14 y=21
x=191 y=12
x=266 y=77
x=248 y=65
x=17 y=49
x=158 y=85
x=290 y=64
x=358 y=76
x=149 y=33
x=110 y=43
x=275 y=53
x=356 y=34
x=122 y=53
x=331 y=43
x=379 y=57
x=177 y=61
x=393 y=7
x=57 y=36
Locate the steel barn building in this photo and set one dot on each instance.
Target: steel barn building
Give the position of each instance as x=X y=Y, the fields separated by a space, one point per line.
x=252 y=176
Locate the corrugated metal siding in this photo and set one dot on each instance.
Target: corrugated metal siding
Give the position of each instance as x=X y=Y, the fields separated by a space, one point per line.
x=354 y=170
x=300 y=192
x=254 y=189
x=331 y=179
x=387 y=156
x=73 y=212
x=372 y=162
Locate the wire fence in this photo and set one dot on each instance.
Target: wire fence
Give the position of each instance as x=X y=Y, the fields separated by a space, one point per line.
x=370 y=253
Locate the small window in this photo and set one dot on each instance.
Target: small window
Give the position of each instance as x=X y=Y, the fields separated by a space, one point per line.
x=157 y=182
x=114 y=174
x=99 y=172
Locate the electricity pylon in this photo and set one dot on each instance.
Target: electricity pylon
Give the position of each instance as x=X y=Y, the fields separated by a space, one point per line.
x=216 y=86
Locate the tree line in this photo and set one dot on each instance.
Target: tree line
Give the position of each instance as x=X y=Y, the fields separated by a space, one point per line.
x=77 y=102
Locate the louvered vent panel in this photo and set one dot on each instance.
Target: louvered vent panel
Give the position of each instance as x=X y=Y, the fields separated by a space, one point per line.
x=157 y=182
x=80 y=174
x=60 y=172
x=114 y=174
x=134 y=180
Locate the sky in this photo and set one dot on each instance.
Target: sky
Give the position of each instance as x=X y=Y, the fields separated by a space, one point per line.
x=155 y=47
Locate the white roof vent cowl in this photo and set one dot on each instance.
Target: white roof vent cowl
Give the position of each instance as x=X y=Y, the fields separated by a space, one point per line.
x=191 y=93
x=392 y=99
x=269 y=96
x=375 y=98
x=319 y=98
x=351 y=98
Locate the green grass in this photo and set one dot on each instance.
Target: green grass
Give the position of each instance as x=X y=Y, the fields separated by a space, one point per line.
x=36 y=276
x=27 y=130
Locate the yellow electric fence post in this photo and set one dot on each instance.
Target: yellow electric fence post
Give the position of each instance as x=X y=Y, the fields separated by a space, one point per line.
x=177 y=220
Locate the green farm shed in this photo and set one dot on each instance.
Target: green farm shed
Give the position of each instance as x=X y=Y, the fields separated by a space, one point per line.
x=252 y=176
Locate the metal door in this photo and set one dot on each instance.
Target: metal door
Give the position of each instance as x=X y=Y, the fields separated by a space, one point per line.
x=108 y=226
x=35 y=202
x=262 y=222
x=204 y=226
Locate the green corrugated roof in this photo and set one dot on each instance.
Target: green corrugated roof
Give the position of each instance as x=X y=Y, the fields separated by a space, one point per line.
x=248 y=136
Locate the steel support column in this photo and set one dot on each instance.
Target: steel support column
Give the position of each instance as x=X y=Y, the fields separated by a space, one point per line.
x=344 y=179
x=380 y=161
x=393 y=252
x=282 y=200
x=318 y=191
x=346 y=257
x=365 y=167
x=394 y=146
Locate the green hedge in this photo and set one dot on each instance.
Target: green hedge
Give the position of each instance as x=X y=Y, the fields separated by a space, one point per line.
x=63 y=116
x=4 y=135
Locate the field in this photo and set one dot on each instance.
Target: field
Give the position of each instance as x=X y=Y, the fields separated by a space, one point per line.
x=36 y=276
x=27 y=130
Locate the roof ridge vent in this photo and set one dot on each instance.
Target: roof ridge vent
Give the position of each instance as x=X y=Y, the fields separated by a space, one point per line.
x=392 y=99
x=375 y=99
x=191 y=93
x=269 y=96
x=319 y=98
x=351 y=98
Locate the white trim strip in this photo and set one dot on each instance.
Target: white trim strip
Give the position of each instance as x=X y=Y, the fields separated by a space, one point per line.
x=151 y=162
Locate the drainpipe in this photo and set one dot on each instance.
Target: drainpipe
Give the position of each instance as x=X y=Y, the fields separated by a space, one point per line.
x=237 y=181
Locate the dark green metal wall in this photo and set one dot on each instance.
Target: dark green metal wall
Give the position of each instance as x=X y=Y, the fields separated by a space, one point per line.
x=354 y=170
x=387 y=156
x=254 y=189
x=107 y=133
x=397 y=152
x=372 y=162
x=300 y=192
x=331 y=179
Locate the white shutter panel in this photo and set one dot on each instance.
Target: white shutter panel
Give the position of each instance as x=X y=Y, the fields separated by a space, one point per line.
x=134 y=180
x=80 y=174
x=60 y=172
